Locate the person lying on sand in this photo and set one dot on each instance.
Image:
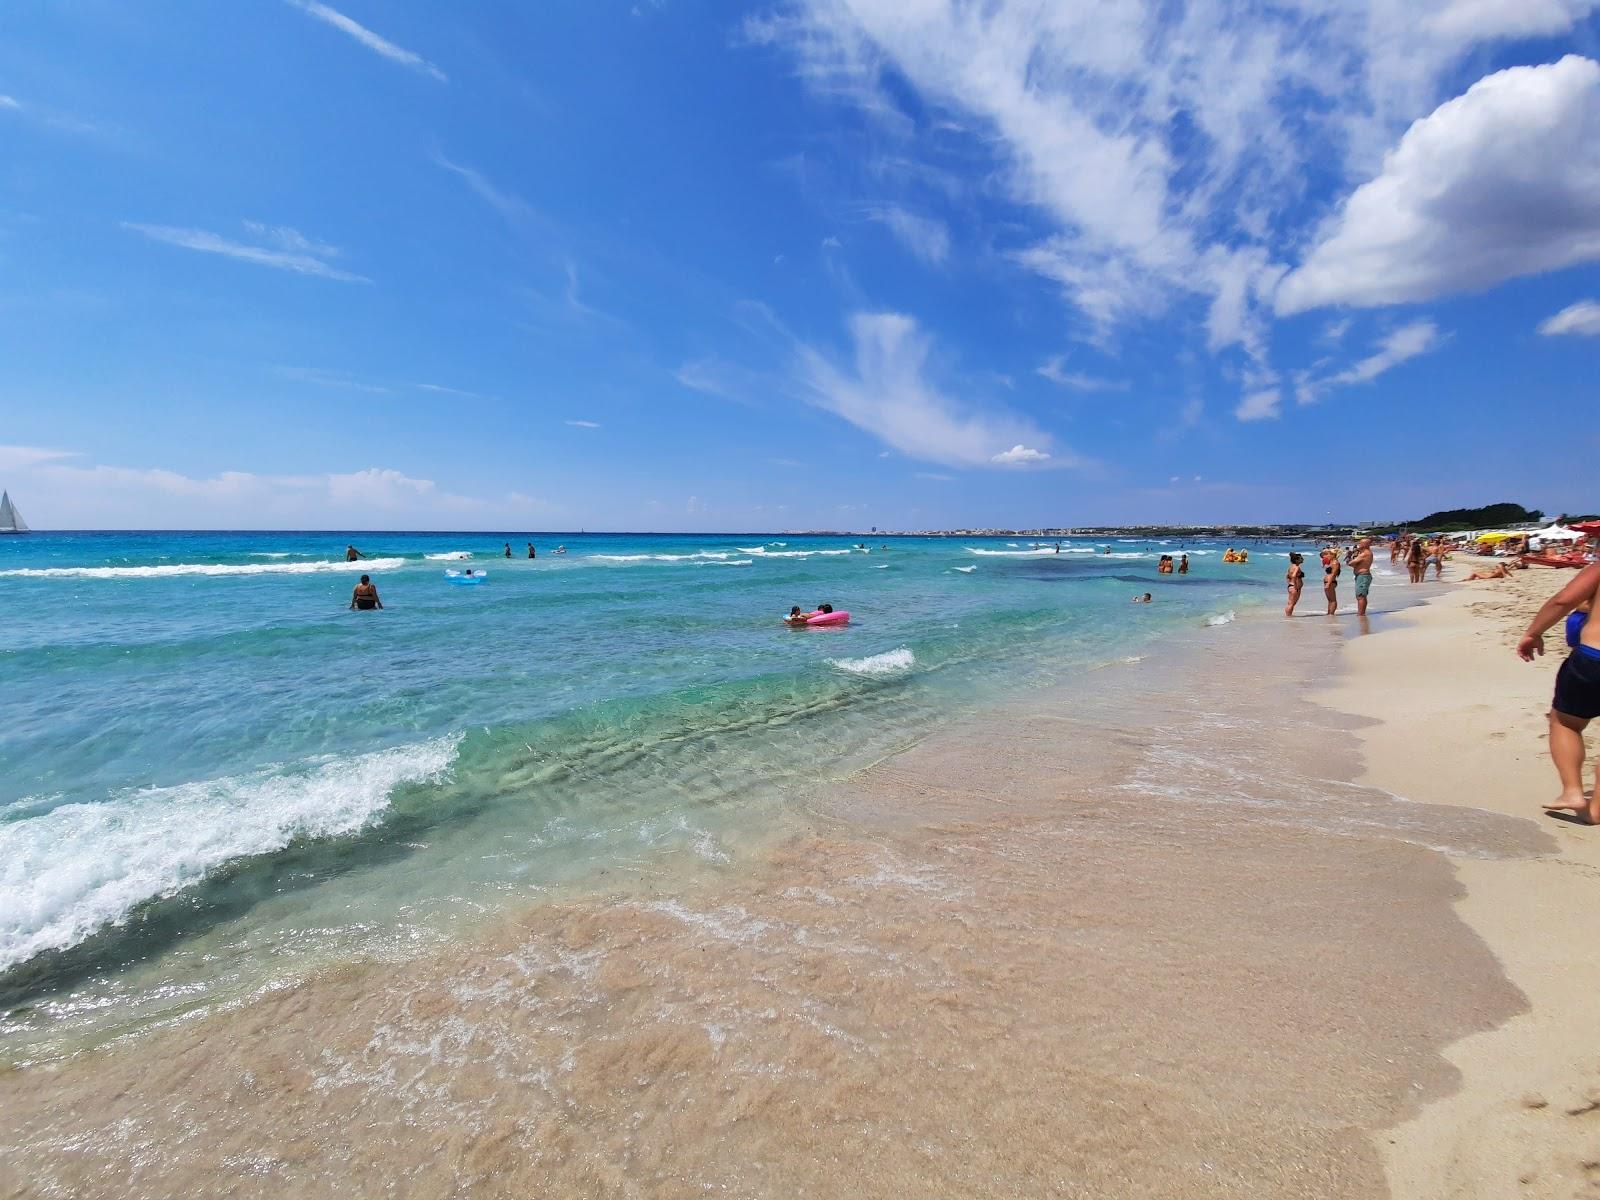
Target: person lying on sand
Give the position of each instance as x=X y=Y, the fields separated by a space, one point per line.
x=1577 y=693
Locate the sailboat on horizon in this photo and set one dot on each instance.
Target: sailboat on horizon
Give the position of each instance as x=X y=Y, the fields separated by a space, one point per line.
x=10 y=519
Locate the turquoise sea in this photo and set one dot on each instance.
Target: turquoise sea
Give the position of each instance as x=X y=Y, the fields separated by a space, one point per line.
x=214 y=774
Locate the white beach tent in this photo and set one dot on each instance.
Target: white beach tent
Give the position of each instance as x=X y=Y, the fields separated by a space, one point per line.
x=1557 y=533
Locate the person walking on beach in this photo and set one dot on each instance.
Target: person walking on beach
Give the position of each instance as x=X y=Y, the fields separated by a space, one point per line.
x=1416 y=560
x=1577 y=693
x=1360 y=560
x=1295 y=577
x=1330 y=580
x=365 y=596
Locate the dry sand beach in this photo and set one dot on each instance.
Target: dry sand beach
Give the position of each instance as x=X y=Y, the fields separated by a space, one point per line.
x=1460 y=721
x=1180 y=932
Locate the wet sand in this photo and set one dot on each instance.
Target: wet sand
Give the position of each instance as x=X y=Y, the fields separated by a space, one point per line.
x=1144 y=937
x=1459 y=720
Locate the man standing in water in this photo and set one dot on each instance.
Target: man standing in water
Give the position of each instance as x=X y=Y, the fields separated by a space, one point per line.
x=1577 y=698
x=366 y=595
x=1360 y=560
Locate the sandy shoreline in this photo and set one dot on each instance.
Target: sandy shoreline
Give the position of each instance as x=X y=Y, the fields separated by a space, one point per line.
x=1149 y=937
x=1460 y=721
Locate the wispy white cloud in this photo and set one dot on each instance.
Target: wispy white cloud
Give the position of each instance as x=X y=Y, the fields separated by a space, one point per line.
x=286 y=249
x=1264 y=404
x=369 y=39
x=725 y=381
x=886 y=391
x=14 y=457
x=439 y=389
x=1163 y=151
x=509 y=205
x=68 y=494
x=1055 y=371
x=584 y=424
x=1400 y=345
x=9 y=102
x=1582 y=318
x=926 y=238
x=323 y=377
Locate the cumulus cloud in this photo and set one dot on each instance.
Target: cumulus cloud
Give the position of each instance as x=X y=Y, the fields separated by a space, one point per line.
x=1162 y=153
x=1582 y=318
x=887 y=392
x=1019 y=455
x=372 y=41
x=1496 y=184
x=279 y=247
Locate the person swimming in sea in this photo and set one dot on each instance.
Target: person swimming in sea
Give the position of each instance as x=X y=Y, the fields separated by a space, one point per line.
x=365 y=597
x=1147 y=598
x=508 y=549
x=532 y=553
x=796 y=617
x=1183 y=565
x=351 y=554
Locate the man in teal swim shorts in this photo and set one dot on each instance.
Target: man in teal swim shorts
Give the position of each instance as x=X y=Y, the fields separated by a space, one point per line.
x=1360 y=560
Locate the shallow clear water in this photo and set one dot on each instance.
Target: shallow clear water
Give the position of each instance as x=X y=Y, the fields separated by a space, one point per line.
x=213 y=774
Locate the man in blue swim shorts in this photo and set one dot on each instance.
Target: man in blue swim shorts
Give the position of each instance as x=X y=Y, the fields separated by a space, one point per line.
x=1577 y=698
x=1360 y=560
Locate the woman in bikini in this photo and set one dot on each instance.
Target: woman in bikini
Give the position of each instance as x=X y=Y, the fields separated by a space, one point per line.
x=1295 y=577
x=1330 y=580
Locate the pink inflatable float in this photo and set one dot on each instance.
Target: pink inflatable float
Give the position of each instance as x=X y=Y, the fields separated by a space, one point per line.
x=830 y=618
x=833 y=618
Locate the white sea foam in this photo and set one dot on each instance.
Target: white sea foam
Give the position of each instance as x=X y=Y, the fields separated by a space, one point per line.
x=763 y=552
x=882 y=567
x=174 y=569
x=1011 y=553
x=732 y=562
x=78 y=867
x=964 y=570
x=890 y=662
x=270 y=554
x=699 y=555
x=1220 y=618
x=451 y=556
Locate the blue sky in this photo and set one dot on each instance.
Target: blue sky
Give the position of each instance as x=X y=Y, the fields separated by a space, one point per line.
x=824 y=263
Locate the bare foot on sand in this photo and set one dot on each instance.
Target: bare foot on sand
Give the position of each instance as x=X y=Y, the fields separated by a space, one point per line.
x=1570 y=800
x=1574 y=802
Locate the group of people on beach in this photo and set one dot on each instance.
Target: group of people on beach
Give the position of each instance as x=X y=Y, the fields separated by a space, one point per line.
x=1358 y=558
x=1419 y=553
